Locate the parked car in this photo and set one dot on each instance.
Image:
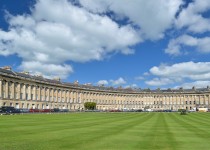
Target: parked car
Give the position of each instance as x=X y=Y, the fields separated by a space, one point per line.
x=9 y=110
x=64 y=110
x=138 y=110
x=56 y=110
x=34 y=110
x=46 y=110
x=24 y=110
x=115 y=110
x=167 y=110
x=149 y=110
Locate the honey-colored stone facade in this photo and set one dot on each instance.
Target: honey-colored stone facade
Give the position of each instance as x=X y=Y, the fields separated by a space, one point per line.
x=28 y=92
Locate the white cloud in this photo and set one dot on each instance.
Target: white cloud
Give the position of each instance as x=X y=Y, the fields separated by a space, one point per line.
x=176 y=46
x=197 y=84
x=102 y=82
x=48 y=70
x=192 y=21
x=191 y=70
x=131 y=86
x=151 y=16
x=159 y=82
x=57 y=31
x=176 y=73
x=119 y=81
x=192 y=18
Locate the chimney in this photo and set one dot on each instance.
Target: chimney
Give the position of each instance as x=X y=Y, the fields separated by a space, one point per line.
x=76 y=82
x=7 y=68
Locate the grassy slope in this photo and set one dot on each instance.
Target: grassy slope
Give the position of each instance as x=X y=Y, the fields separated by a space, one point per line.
x=108 y=131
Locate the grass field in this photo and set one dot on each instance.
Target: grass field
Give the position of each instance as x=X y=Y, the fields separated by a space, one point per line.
x=105 y=131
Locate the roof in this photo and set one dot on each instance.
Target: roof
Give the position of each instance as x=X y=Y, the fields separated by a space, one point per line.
x=101 y=88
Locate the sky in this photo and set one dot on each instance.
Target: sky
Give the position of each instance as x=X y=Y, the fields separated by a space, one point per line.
x=128 y=43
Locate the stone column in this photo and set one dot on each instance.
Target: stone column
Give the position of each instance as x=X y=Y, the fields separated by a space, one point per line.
x=35 y=92
x=199 y=99
x=206 y=100
x=52 y=93
x=18 y=91
x=164 y=102
x=48 y=94
x=203 y=99
x=56 y=97
x=76 y=97
x=6 y=89
x=176 y=101
x=69 y=101
x=24 y=92
x=67 y=97
x=39 y=93
x=64 y=96
x=0 y=88
x=43 y=94
x=13 y=90
x=70 y=98
x=81 y=98
x=29 y=92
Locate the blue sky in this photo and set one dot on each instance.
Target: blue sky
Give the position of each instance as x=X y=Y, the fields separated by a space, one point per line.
x=144 y=44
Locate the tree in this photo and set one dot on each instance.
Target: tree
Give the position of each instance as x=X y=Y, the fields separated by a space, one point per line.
x=183 y=112
x=90 y=105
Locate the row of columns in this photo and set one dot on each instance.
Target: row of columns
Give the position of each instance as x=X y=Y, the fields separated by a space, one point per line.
x=21 y=91
x=41 y=93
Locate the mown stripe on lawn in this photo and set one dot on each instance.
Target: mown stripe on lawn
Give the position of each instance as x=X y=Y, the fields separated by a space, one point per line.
x=205 y=115
x=198 y=120
x=189 y=134
x=106 y=137
x=188 y=125
x=159 y=135
x=105 y=131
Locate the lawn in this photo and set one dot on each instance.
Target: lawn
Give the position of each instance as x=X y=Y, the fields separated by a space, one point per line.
x=105 y=131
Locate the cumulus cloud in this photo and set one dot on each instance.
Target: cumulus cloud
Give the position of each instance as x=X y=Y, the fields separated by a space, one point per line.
x=58 y=31
x=192 y=18
x=192 y=70
x=48 y=70
x=102 y=82
x=176 y=73
x=197 y=84
x=159 y=82
x=195 y=24
x=176 y=46
x=151 y=16
x=119 y=81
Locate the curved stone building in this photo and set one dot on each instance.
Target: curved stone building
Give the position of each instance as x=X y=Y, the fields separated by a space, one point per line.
x=22 y=90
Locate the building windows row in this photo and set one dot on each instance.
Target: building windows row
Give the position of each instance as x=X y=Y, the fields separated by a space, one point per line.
x=26 y=92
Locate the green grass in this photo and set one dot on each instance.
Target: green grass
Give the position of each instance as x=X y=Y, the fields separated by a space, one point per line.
x=105 y=131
